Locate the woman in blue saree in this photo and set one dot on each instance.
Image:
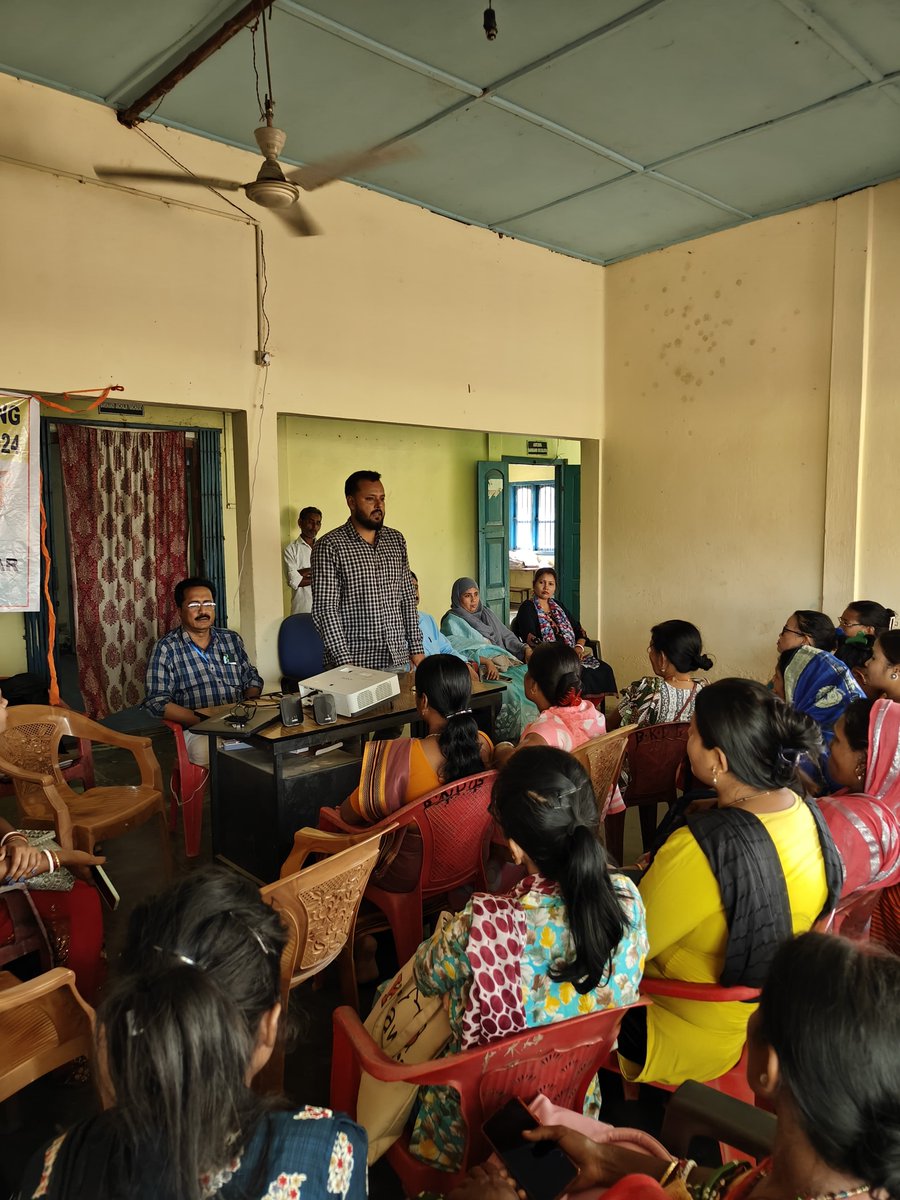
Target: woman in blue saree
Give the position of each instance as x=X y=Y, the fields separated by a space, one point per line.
x=481 y=638
x=820 y=685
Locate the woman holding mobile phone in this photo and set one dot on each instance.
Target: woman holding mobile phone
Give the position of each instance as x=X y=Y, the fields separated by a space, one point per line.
x=823 y=1052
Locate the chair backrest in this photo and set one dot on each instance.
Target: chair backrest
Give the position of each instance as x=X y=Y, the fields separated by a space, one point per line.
x=29 y=934
x=455 y=826
x=558 y=1060
x=300 y=649
x=602 y=758
x=31 y=743
x=319 y=906
x=655 y=755
x=44 y=1023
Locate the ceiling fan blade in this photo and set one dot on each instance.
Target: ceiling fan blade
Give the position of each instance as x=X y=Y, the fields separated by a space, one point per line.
x=178 y=177
x=316 y=175
x=297 y=220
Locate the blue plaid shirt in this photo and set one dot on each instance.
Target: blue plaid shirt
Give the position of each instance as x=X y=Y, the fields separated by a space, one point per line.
x=179 y=672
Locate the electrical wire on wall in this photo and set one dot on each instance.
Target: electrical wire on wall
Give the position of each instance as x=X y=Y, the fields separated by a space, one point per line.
x=263 y=334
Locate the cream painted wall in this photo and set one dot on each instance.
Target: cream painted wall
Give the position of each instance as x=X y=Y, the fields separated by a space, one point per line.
x=429 y=480
x=394 y=315
x=717 y=403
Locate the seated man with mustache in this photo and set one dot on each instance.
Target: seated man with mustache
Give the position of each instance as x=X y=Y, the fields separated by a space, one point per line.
x=197 y=665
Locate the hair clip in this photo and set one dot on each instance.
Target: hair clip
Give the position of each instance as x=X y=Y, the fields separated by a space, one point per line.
x=858 y=639
x=267 y=950
x=134 y=1030
x=176 y=954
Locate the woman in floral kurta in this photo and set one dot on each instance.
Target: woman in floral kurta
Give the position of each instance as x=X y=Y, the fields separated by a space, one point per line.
x=529 y=934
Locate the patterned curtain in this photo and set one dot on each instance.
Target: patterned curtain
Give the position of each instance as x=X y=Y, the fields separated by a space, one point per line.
x=126 y=509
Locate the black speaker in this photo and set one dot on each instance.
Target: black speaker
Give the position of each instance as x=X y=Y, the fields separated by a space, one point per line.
x=324 y=709
x=291 y=710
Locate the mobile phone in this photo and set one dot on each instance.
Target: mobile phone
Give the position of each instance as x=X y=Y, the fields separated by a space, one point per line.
x=105 y=887
x=541 y=1169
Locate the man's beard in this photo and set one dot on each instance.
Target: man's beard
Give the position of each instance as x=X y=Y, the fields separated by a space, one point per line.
x=369 y=522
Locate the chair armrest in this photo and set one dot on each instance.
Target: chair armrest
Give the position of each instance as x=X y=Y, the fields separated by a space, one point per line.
x=696 y=1110
x=148 y=763
x=309 y=841
x=43 y=985
x=680 y=989
x=14 y=772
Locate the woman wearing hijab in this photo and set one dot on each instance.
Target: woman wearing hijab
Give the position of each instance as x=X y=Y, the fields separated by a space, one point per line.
x=864 y=816
x=476 y=633
x=818 y=684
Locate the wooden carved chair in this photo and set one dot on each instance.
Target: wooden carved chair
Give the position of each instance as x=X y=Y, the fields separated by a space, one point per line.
x=44 y=1024
x=602 y=758
x=29 y=754
x=318 y=906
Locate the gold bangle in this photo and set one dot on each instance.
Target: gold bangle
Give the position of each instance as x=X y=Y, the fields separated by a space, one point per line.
x=669 y=1172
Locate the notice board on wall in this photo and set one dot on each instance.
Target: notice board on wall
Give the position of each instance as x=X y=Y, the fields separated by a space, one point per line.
x=20 y=503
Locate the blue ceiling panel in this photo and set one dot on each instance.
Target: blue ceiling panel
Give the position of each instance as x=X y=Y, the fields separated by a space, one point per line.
x=820 y=153
x=482 y=161
x=686 y=72
x=621 y=218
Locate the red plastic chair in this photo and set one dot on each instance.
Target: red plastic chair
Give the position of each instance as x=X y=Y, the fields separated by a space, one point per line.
x=454 y=826
x=559 y=1060
x=732 y=1082
x=187 y=787
x=656 y=755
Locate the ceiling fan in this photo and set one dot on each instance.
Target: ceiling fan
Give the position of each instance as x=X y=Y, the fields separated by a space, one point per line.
x=273 y=188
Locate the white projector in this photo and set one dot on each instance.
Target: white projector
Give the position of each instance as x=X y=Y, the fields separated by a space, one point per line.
x=354 y=688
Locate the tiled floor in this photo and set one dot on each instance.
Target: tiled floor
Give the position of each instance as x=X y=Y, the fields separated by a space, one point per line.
x=134 y=864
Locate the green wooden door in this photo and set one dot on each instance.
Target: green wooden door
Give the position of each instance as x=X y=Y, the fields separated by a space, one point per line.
x=568 y=535
x=493 y=537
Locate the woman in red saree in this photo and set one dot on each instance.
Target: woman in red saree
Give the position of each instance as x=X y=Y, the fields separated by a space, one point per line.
x=864 y=816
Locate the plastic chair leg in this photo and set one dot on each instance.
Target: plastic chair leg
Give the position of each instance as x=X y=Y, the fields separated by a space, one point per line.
x=648 y=824
x=614 y=827
x=192 y=816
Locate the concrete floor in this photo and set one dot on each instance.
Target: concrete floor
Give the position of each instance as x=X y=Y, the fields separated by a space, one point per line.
x=134 y=864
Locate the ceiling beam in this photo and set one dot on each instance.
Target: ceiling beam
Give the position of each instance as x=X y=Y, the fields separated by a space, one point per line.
x=131 y=115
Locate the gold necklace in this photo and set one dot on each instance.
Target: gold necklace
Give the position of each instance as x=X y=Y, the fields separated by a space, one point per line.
x=754 y=796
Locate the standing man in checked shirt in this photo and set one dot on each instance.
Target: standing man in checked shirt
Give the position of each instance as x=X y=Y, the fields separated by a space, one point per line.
x=364 y=606
x=197 y=665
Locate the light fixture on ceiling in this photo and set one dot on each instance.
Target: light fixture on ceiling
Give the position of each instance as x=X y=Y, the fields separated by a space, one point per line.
x=490 y=24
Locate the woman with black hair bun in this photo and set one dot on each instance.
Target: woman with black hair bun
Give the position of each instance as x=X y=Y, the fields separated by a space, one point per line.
x=670 y=693
x=193 y=1017
x=570 y=938
x=723 y=891
x=399 y=771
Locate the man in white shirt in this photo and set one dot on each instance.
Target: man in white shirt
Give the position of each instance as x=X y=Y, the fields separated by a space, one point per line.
x=297 y=559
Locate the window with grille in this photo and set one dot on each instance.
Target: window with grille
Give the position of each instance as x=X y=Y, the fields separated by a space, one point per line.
x=534 y=517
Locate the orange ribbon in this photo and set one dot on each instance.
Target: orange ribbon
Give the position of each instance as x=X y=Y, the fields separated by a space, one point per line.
x=104 y=395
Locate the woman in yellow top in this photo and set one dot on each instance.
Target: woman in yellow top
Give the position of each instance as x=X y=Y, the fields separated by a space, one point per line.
x=395 y=773
x=727 y=889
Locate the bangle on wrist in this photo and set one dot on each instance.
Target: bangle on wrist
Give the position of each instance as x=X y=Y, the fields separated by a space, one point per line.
x=49 y=854
x=13 y=833
x=669 y=1172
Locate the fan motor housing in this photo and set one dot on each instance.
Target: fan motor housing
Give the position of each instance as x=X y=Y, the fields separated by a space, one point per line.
x=272 y=193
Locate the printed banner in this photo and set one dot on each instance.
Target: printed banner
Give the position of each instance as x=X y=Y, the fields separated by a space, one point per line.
x=20 y=504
